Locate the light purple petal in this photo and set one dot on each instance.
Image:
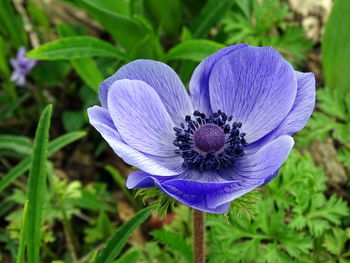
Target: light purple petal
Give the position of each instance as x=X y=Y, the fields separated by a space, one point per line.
x=101 y=120
x=256 y=86
x=252 y=171
x=21 y=53
x=199 y=84
x=141 y=118
x=300 y=113
x=161 y=78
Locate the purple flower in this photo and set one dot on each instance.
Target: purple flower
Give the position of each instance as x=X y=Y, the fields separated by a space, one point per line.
x=21 y=65
x=230 y=136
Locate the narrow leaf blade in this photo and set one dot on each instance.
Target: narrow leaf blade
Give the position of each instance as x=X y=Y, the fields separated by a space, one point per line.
x=24 y=165
x=36 y=186
x=121 y=236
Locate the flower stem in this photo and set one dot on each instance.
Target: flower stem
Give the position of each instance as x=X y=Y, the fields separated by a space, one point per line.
x=198 y=237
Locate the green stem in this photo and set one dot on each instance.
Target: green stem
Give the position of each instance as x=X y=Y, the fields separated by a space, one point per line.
x=198 y=237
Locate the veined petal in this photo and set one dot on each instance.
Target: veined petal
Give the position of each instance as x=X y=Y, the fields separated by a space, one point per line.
x=101 y=120
x=161 y=78
x=141 y=118
x=253 y=170
x=190 y=193
x=256 y=86
x=199 y=84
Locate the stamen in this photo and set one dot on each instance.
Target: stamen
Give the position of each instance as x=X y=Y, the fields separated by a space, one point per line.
x=209 y=142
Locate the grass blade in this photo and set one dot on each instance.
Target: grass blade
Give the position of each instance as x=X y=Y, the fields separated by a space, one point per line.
x=36 y=186
x=23 y=237
x=116 y=243
x=24 y=165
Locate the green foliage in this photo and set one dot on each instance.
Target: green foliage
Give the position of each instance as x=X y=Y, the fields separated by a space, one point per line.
x=291 y=219
x=160 y=202
x=336 y=47
x=116 y=243
x=209 y=16
x=24 y=165
x=74 y=48
x=258 y=23
x=195 y=50
x=175 y=242
x=37 y=186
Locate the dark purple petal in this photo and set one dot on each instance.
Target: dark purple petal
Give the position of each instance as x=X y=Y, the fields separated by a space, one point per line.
x=101 y=120
x=141 y=118
x=199 y=84
x=190 y=193
x=256 y=86
x=160 y=77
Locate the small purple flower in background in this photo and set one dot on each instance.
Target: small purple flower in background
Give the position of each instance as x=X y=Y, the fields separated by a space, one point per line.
x=230 y=136
x=21 y=65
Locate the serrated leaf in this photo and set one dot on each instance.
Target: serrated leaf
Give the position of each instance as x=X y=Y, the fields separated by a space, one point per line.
x=175 y=242
x=195 y=50
x=75 y=47
x=335 y=242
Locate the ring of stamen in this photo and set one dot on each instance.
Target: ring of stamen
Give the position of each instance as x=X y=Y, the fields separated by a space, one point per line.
x=209 y=142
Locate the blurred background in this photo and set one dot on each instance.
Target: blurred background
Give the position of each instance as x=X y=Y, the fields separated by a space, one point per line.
x=58 y=52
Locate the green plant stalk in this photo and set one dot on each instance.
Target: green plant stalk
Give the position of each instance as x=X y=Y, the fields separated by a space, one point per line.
x=68 y=232
x=198 y=236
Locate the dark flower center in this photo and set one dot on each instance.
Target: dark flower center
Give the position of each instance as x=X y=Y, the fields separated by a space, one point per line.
x=209 y=137
x=209 y=142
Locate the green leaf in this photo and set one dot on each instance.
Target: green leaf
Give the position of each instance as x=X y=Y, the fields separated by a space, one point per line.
x=168 y=14
x=209 y=16
x=24 y=165
x=195 y=50
x=175 y=242
x=85 y=67
x=132 y=255
x=75 y=47
x=23 y=236
x=116 y=243
x=11 y=24
x=73 y=120
x=120 y=181
x=19 y=144
x=37 y=185
x=88 y=71
x=335 y=242
x=336 y=47
x=127 y=31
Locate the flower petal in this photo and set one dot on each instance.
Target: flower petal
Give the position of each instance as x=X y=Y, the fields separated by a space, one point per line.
x=256 y=86
x=300 y=113
x=101 y=120
x=141 y=118
x=161 y=78
x=199 y=84
x=190 y=193
x=253 y=170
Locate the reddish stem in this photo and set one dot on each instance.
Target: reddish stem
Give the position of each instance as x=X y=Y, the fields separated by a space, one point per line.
x=198 y=237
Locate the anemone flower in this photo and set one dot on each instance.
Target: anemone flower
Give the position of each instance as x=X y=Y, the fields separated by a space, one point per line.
x=228 y=137
x=21 y=66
